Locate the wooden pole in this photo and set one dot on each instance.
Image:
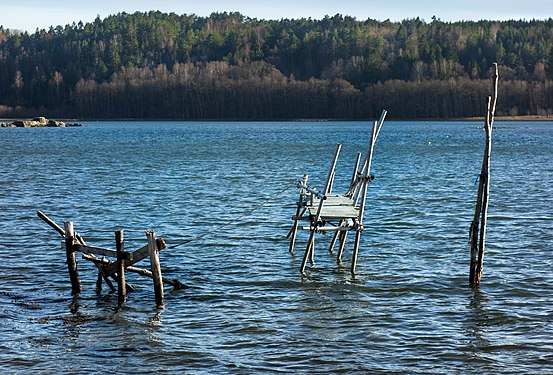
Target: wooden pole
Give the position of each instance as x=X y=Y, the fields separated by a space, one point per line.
x=51 y=223
x=121 y=285
x=355 y=169
x=77 y=239
x=335 y=237
x=173 y=282
x=310 y=250
x=343 y=237
x=366 y=166
x=71 y=258
x=478 y=225
x=365 y=185
x=294 y=230
x=156 y=268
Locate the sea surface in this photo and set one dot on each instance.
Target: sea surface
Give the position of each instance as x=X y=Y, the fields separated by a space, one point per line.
x=227 y=189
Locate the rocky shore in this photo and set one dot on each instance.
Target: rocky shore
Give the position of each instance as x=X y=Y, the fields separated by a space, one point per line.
x=37 y=122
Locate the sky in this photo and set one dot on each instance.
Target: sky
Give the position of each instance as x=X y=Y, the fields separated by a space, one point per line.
x=28 y=15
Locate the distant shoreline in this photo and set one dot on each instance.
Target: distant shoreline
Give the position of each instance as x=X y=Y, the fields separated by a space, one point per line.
x=529 y=118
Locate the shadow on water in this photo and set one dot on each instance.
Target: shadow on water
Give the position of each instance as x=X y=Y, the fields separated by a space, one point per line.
x=477 y=320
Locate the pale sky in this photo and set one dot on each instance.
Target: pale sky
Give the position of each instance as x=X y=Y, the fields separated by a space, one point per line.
x=30 y=14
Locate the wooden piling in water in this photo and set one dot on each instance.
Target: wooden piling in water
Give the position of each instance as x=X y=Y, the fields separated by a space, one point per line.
x=71 y=258
x=478 y=226
x=294 y=230
x=121 y=285
x=155 y=267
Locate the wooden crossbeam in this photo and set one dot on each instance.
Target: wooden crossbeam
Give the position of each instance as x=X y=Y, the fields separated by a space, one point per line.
x=136 y=256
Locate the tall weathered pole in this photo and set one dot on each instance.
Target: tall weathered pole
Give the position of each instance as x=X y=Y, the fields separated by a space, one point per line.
x=478 y=225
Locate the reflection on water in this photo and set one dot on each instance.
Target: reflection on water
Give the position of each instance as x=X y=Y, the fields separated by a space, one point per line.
x=409 y=309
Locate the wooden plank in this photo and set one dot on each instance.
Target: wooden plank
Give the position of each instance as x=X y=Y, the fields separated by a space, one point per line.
x=336 y=212
x=136 y=256
x=96 y=250
x=329 y=229
x=334 y=200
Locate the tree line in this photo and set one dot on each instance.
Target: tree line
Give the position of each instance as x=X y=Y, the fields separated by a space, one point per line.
x=228 y=66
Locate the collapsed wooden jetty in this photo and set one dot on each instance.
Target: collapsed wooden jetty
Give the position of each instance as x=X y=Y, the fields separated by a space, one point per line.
x=340 y=213
x=109 y=270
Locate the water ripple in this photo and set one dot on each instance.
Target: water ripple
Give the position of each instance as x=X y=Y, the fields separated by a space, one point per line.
x=409 y=309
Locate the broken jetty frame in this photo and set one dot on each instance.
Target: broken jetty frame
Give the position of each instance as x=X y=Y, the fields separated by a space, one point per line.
x=109 y=270
x=341 y=213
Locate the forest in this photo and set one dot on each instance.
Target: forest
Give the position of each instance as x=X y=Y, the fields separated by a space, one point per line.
x=232 y=67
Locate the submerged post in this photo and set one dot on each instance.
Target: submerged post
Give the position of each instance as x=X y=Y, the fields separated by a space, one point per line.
x=120 y=249
x=478 y=225
x=71 y=258
x=156 y=268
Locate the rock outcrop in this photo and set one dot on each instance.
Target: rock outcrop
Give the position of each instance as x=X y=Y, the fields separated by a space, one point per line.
x=37 y=122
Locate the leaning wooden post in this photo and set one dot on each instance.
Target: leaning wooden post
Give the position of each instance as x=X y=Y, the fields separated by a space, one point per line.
x=478 y=225
x=120 y=249
x=365 y=185
x=156 y=268
x=293 y=232
x=343 y=237
x=71 y=258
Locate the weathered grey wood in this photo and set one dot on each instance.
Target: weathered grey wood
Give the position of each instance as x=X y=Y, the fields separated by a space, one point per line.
x=308 y=250
x=365 y=185
x=355 y=169
x=155 y=266
x=331 y=184
x=491 y=105
x=380 y=122
x=136 y=256
x=105 y=276
x=339 y=207
x=333 y=241
x=71 y=258
x=299 y=212
x=335 y=212
x=51 y=223
x=478 y=225
x=99 y=283
x=121 y=285
x=343 y=237
x=100 y=264
x=78 y=239
x=330 y=229
x=96 y=250
x=474 y=231
x=173 y=282
x=315 y=222
x=294 y=230
x=334 y=200
x=355 y=192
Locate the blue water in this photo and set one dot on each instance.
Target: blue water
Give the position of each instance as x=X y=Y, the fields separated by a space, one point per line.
x=409 y=308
